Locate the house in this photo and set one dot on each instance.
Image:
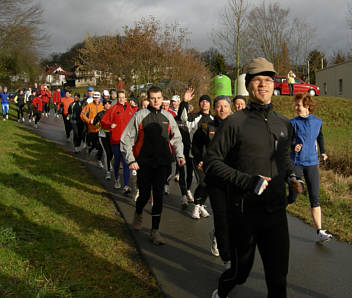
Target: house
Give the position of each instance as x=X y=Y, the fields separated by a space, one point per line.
x=56 y=76
x=336 y=80
x=86 y=78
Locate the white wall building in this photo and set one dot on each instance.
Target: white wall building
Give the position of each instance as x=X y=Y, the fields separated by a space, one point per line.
x=336 y=80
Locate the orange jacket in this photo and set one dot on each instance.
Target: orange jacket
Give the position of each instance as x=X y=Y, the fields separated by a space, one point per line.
x=65 y=102
x=89 y=112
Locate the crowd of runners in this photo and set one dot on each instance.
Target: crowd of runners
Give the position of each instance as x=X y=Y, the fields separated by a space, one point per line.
x=240 y=156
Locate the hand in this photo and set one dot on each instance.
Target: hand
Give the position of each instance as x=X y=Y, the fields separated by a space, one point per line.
x=113 y=125
x=181 y=161
x=189 y=95
x=324 y=156
x=91 y=121
x=67 y=118
x=296 y=186
x=134 y=166
x=200 y=166
x=298 y=147
x=268 y=179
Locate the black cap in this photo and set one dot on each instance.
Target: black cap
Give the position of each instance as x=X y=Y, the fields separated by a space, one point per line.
x=204 y=97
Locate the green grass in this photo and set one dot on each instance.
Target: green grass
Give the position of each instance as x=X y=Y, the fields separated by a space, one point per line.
x=60 y=235
x=336 y=173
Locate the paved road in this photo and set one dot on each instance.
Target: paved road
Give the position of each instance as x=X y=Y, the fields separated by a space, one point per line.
x=185 y=268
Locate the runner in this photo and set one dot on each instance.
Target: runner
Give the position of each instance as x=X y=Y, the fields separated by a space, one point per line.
x=189 y=123
x=46 y=95
x=116 y=120
x=104 y=138
x=146 y=145
x=214 y=187
x=57 y=101
x=65 y=103
x=30 y=106
x=5 y=103
x=239 y=103
x=304 y=156
x=37 y=108
x=20 y=102
x=87 y=115
x=73 y=115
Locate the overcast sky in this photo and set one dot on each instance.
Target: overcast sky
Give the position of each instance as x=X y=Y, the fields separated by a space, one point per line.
x=68 y=21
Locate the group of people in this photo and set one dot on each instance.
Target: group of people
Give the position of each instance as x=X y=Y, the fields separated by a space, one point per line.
x=242 y=161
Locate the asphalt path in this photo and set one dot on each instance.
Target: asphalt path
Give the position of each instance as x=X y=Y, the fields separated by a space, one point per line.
x=184 y=267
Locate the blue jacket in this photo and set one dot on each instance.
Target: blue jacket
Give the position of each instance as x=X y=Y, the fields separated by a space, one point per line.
x=5 y=98
x=306 y=132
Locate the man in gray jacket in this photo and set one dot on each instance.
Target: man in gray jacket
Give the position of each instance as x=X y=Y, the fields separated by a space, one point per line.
x=148 y=144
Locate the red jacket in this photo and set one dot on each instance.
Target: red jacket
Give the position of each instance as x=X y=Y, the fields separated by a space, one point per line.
x=57 y=97
x=65 y=102
x=120 y=116
x=37 y=103
x=45 y=95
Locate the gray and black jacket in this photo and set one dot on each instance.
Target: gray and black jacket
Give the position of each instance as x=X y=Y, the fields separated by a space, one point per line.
x=150 y=138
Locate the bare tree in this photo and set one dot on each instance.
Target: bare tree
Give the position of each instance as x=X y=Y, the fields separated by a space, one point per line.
x=268 y=29
x=230 y=36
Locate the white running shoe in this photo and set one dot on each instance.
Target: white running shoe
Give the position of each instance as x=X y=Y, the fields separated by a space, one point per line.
x=76 y=149
x=108 y=175
x=203 y=211
x=215 y=294
x=136 y=195
x=190 y=196
x=126 y=190
x=323 y=236
x=29 y=120
x=100 y=164
x=7 y=116
x=214 y=247
x=196 y=212
x=184 y=202
x=177 y=177
x=166 y=189
x=22 y=119
x=117 y=184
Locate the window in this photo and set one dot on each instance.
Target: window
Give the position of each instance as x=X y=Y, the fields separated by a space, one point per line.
x=340 y=86
x=298 y=81
x=325 y=88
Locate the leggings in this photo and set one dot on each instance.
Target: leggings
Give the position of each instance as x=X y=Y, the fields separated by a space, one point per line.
x=105 y=143
x=20 y=111
x=268 y=231
x=68 y=126
x=201 y=192
x=46 y=107
x=77 y=128
x=219 y=205
x=184 y=183
x=5 y=109
x=94 y=139
x=118 y=158
x=311 y=176
x=148 y=179
x=30 y=111
x=37 y=114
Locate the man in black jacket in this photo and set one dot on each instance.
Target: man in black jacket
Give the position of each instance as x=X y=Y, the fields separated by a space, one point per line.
x=250 y=153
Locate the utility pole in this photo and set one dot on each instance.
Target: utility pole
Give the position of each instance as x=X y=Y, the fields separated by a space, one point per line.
x=308 y=73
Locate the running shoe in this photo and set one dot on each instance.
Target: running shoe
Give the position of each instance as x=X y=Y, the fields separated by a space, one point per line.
x=227 y=265
x=126 y=190
x=203 y=212
x=324 y=236
x=7 y=116
x=23 y=119
x=214 y=247
x=108 y=175
x=184 y=202
x=177 y=177
x=117 y=184
x=190 y=196
x=196 y=212
x=156 y=238
x=100 y=164
x=29 y=120
x=166 y=189
x=136 y=195
x=76 y=149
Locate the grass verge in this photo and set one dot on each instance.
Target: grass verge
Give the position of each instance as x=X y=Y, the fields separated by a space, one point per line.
x=60 y=235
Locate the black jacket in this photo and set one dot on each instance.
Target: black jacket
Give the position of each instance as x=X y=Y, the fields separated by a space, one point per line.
x=74 y=111
x=255 y=141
